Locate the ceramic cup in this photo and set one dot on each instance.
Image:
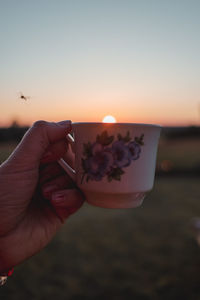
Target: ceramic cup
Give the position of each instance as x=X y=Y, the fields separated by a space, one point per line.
x=114 y=162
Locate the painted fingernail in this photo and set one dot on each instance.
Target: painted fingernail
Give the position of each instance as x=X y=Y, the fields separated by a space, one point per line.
x=47 y=190
x=58 y=197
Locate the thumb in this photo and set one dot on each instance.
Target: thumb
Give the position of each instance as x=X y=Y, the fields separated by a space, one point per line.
x=35 y=142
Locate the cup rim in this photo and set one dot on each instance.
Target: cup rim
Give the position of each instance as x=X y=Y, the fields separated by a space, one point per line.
x=118 y=123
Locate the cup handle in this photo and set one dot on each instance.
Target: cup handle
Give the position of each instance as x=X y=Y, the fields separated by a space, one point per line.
x=69 y=170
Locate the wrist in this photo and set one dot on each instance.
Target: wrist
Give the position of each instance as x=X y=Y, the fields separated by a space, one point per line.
x=4 y=276
x=7 y=273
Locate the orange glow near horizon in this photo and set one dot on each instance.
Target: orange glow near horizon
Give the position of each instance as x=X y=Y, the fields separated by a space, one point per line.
x=27 y=112
x=139 y=67
x=28 y=120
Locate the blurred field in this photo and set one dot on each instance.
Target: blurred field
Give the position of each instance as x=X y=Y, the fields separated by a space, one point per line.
x=6 y=149
x=182 y=154
x=144 y=253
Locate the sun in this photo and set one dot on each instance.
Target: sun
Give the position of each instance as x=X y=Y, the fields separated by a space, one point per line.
x=109 y=119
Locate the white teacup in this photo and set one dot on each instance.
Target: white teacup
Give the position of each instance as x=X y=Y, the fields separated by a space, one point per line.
x=114 y=162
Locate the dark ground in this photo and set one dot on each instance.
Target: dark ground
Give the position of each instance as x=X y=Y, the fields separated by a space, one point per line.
x=144 y=253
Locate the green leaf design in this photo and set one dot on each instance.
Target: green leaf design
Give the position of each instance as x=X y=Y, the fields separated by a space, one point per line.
x=104 y=139
x=83 y=165
x=82 y=178
x=126 y=138
x=139 y=140
x=115 y=174
x=87 y=149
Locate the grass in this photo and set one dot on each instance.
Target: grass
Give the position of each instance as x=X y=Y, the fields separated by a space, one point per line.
x=182 y=153
x=144 y=253
x=5 y=150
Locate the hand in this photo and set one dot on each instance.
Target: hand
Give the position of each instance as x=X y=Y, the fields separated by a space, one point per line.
x=36 y=196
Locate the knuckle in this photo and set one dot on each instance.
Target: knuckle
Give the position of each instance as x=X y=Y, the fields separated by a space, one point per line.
x=39 y=124
x=39 y=132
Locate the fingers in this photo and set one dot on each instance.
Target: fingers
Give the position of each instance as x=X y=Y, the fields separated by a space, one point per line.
x=50 y=132
x=66 y=202
x=64 y=197
x=58 y=150
x=36 y=141
x=50 y=171
x=56 y=184
x=55 y=151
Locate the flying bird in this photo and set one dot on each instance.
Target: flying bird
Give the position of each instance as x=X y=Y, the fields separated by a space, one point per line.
x=23 y=97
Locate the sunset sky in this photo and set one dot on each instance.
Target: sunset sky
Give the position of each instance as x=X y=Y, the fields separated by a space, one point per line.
x=84 y=59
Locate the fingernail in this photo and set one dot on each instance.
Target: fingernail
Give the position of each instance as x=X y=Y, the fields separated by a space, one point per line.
x=58 y=197
x=47 y=190
x=67 y=124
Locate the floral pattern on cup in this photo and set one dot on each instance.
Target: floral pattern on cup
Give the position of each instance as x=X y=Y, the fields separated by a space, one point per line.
x=109 y=157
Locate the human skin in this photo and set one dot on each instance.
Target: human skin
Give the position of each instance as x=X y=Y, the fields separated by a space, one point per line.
x=36 y=196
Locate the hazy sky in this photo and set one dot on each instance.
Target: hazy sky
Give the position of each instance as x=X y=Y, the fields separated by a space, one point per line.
x=84 y=59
